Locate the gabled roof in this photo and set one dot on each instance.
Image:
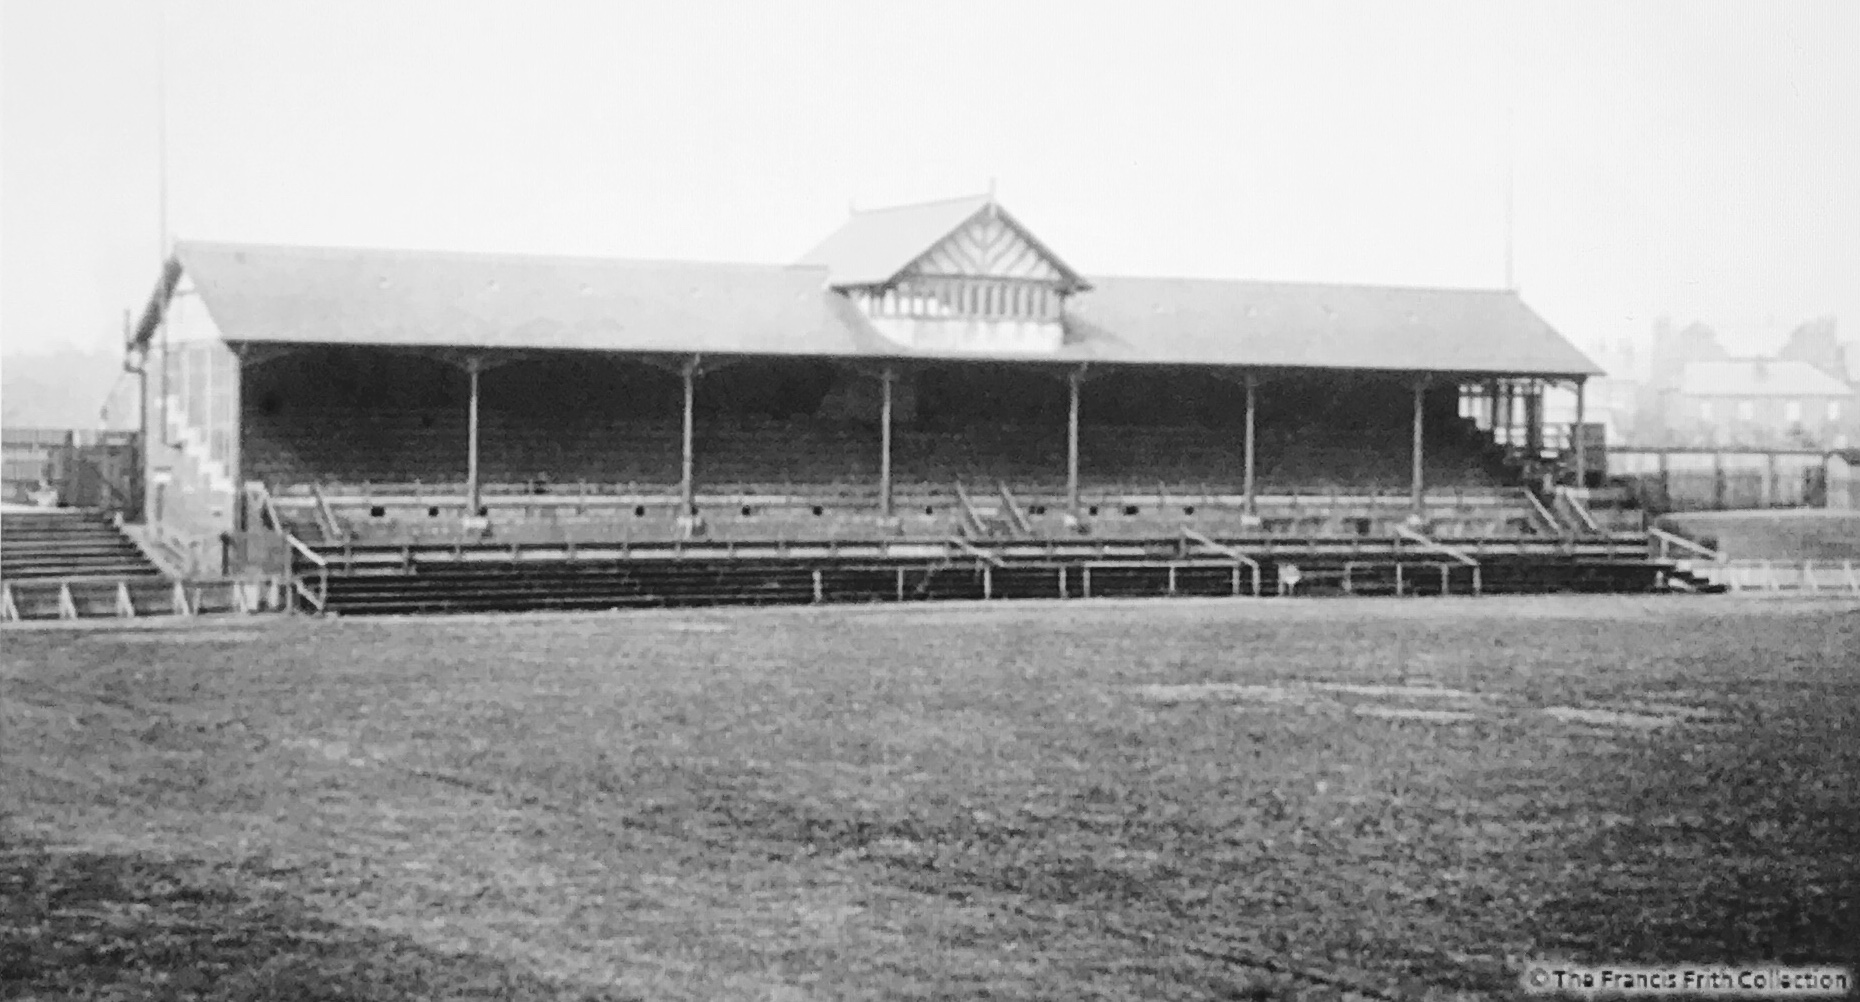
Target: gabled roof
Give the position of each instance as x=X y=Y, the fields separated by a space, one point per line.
x=425 y=299
x=877 y=245
x=1759 y=377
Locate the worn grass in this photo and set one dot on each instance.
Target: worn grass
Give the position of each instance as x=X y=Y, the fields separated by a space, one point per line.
x=1144 y=800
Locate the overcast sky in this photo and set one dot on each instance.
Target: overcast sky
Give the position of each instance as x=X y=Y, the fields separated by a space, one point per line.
x=1694 y=159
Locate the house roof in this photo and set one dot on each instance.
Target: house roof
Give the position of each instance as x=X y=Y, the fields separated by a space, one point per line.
x=429 y=299
x=1759 y=377
x=874 y=246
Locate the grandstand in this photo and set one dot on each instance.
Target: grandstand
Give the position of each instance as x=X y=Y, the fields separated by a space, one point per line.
x=929 y=391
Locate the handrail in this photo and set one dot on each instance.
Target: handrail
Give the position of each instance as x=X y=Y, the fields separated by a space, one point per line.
x=971 y=519
x=1429 y=543
x=256 y=492
x=318 y=599
x=1683 y=543
x=1555 y=524
x=308 y=553
x=1580 y=509
x=1015 y=515
x=1198 y=537
x=975 y=551
x=326 y=516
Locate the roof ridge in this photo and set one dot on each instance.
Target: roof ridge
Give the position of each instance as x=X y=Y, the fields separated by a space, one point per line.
x=1312 y=283
x=329 y=250
x=984 y=197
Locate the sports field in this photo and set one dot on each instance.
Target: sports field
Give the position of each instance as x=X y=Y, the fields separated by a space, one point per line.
x=1117 y=800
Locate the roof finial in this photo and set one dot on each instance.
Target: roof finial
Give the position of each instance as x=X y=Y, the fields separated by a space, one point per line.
x=991 y=188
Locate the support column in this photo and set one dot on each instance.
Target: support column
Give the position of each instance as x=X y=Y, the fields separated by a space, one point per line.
x=1503 y=421
x=1534 y=420
x=1418 y=488
x=884 y=443
x=1581 y=443
x=235 y=436
x=472 y=367
x=1252 y=494
x=1073 y=380
x=687 y=484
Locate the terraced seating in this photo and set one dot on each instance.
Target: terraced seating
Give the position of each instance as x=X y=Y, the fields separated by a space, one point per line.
x=429 y=447
x=68 y=543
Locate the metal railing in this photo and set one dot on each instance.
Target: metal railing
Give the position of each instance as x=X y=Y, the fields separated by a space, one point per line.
x=1667 y=540
x=326 y=516
x=318 y=598
x=1578 y=509
x=1428 y=543
x=1190 y=535
x=977 y=552
x=124 y=598
x=1550 y=521
x=1803 y=577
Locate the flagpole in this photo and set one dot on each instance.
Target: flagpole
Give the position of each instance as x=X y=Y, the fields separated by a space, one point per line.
x=161 y=128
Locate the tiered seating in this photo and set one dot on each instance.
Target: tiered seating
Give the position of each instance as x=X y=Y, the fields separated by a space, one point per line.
x=67 y=543
x=429 y=447
x=398 y=475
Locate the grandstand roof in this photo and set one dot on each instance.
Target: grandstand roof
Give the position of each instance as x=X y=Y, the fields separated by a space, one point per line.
x=1759 y=377
x=1213 y=321
x=437 y=299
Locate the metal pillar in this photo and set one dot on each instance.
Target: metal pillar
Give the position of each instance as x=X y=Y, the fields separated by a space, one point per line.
x=1581 y=444
x=1418 y=487
x=1252 y=497
x=1073 y=380
x=687 y=484
x=884 y=444
x=1504 y=413
x=235 y=435
x=1534 y=420
x=472 y=367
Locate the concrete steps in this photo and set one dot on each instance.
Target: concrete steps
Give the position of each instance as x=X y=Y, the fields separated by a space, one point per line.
x=67 y=544
x=628 y=584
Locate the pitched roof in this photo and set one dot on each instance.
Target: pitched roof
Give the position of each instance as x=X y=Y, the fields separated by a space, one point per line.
x=1306 y=324
x=406 y=298
x=432 y=299
x=875 y=245
x=1759 y=377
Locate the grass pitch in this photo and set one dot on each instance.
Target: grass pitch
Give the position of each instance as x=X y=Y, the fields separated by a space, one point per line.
x=1117 y=800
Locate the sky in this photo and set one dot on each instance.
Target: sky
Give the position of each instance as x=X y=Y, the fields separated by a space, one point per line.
x=1691 y=159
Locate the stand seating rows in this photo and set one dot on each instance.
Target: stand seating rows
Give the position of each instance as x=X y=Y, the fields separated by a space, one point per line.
x=428 y=447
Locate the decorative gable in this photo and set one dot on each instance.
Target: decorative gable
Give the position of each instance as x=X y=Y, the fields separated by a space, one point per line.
x=985 y=286
x=989 y=246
